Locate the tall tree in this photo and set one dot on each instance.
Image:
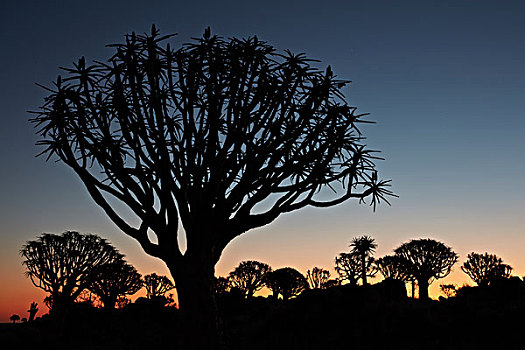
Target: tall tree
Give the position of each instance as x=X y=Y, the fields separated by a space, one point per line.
x=249 y=277
x=485 y=268
x=364 y=246
x=157 y=285
x=33 y=309
x=64 y=265
x=318 y=277
x=427 y=260
x=115 y=280
x=287 y=282
x=202 y=135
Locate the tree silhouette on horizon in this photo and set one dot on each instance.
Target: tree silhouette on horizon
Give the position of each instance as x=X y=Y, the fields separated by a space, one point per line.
x=287 y=282
x=14 y=318
x=426 y=260
x=364 y=246
x=157 y=285
x=200 y=136
x=65 y=265
x=115 y=280
x=485 y=268
x=249 y=276
x=317 y=277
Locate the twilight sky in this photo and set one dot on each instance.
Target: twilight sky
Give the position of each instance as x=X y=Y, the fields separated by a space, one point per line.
x=444 y=80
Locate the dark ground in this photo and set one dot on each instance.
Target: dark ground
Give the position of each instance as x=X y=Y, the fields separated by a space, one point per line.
x=376 y=317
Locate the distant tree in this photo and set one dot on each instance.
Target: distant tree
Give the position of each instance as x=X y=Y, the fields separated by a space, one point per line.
x=24 y=320
x=426 y=260
x=201 y=135
x=33 y=309
x=249 y=277
x=287 y=282
x=157 y=286
x=485 y=268
x=393 y=267
x=318 y=277
x=14 y=318
x=222 y=285
x=64 y=265
x=115 y=280
x=334 y=282
x=364 y=246
x=87 y=297
x=349 y=267
x=449 y=290
x=123 y=301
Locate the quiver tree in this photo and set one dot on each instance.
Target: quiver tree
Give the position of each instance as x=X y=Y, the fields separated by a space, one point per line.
x=485 y=268
x=115 y=280
x=287 y=282
x=201 y=135
x=393 y=267
x=426 y=260
x=157 y=286
x=317 y=278
x=33 y=309
x=64 y=265
x=222 y=285
x=249 y=277
x=364 y=247
x=349 y=267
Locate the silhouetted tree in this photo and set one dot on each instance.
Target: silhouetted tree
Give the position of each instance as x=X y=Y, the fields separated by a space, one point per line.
x=334 y=282
x=64 y=265
x=222 y=285
x=287 y=282
x=202 y=135
x=318 y=277
x=393 y=267
x=349 y=267
x=364 y=246
x=485 y=268
x=449 y=290
x=33 y=309
x=23 y=320
x=426 y=260
x=157 y=286
x=249 y=276
x=115 y=280
x=14 y=318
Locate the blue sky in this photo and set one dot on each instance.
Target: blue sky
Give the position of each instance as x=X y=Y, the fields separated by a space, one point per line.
x=444 y=80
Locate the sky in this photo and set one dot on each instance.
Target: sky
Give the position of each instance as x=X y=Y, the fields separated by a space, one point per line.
x=444 y=81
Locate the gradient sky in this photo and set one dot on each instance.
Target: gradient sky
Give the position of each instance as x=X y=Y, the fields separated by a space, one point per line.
x=444 y=80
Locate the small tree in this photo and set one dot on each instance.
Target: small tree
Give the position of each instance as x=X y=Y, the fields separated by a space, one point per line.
x=318 y=277
x=222 y=285
x=426 y=260
x=116 y=280
x=393 y=267
x=349 y=267
x=485 y=268
x=249 y=277
x=364 y=247
x=157 y=286
x=33 y=309
x=287 y=282
x=449 y=290
x=64 y=265
x=14 y=318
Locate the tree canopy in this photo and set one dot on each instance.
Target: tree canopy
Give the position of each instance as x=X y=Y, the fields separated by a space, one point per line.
x=157 y=285
x=64 y=265
x=317 y=277
x=364 y=246
x=287 y=282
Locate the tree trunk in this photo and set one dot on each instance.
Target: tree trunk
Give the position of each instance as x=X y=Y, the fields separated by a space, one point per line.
x=363 y=268
x=200 y=326
x=423 y=289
